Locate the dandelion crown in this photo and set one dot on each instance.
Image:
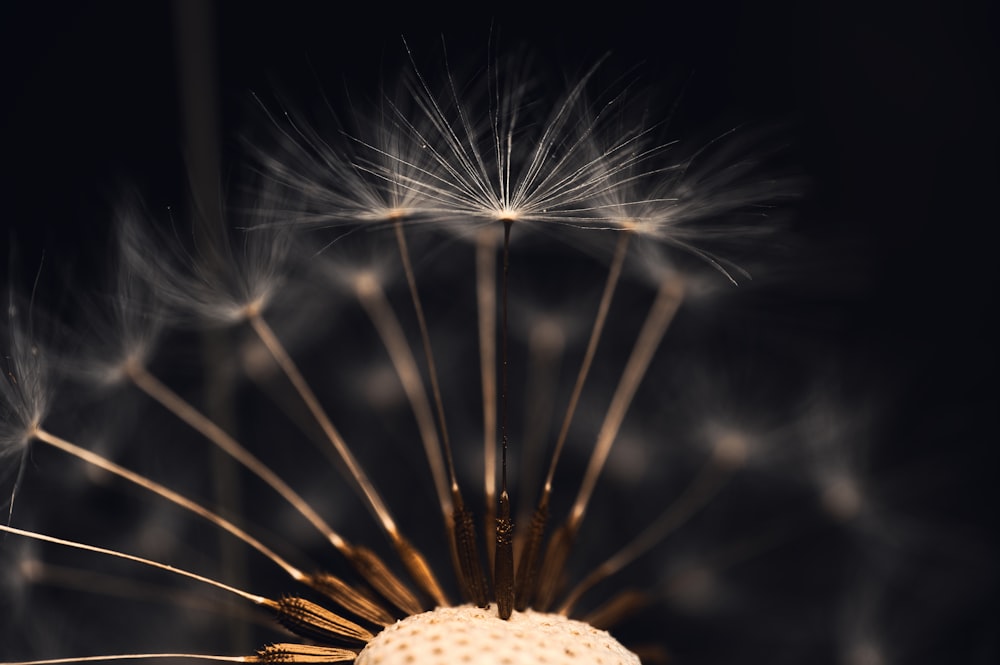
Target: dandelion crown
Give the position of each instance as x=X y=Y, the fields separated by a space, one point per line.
x=492 y=268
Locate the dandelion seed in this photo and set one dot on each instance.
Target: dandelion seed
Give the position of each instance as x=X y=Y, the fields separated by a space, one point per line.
x=23 y=389
x=23 y=393
x=513 y=168
x=219 y=284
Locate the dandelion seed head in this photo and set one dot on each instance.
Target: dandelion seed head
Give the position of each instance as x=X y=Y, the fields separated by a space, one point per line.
x=548 y=333
x=256 y=361
x=20 y=568
x=731 y=448
x=549 y=325
x=370 y=176
x=477 y=636
x=837 y=470
x=635 y=225
x=396 y=213
x=123 y=333
x=865 y=653
x=218 y=284
x=842 y=497
x=366 y=283
x=354 y=272
x=862 y=619
x=29 y=569
x=695 y=589
x=507 y=214
x=97 y=477
x=24 y=392
x=466 y=151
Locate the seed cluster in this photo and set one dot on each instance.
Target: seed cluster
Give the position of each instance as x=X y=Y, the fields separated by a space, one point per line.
x=469 y=635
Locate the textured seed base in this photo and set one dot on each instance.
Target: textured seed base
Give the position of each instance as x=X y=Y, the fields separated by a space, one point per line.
x=476 y=636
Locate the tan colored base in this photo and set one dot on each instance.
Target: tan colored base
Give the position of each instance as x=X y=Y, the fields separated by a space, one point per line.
x=456 y=635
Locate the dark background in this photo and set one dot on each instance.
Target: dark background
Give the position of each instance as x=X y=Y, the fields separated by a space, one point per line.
x=888 y=109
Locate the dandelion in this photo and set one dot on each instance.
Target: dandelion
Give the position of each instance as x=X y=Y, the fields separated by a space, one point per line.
x=306 y=286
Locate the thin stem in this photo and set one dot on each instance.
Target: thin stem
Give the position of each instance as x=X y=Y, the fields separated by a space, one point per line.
x=461 y=526
x=699 y=492
x=486 y=299
x=411 y=558
x=174 y=403
x=458 y=520
x=527 y=579
x=103 y=463
x=504 y=350
x=309 y=398
x=621 y=606
x=134 y=656
x=660 y=315
x=425 y=338
x=546 y=350
x=503 y=575
x=257 y=600
x=376 y=305
x=614 y=273
x=43 y=573
x=368 y=564
x=304 y=653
